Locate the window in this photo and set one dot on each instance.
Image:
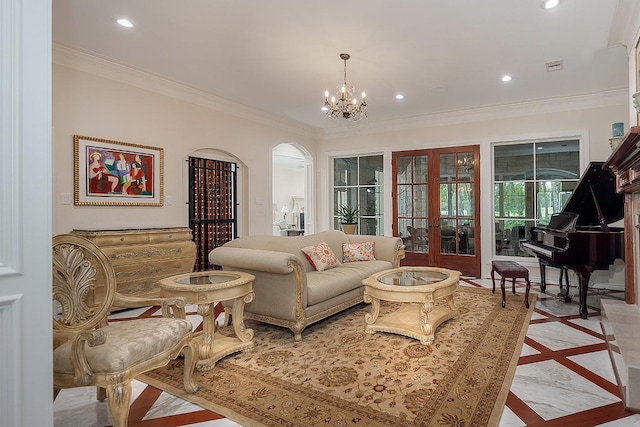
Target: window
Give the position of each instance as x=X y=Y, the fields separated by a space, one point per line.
x=358 y=183
x=532 y=180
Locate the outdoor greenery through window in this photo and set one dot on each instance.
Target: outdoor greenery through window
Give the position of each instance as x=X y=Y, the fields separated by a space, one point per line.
x=532 y=180
x=358 y=183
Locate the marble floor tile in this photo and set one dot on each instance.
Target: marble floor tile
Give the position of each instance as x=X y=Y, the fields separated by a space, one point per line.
x=632 y=421
x=527 y=350
x=510 y=419
x=168 y=404
x=597 y=362
x=553 y=390
x=78 y=407
x=558 y=336
x=592 y=323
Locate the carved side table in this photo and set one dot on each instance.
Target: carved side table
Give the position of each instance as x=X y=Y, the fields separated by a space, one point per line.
x=205 y=288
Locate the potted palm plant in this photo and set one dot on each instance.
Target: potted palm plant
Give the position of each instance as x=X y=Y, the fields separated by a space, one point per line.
x=348 y=218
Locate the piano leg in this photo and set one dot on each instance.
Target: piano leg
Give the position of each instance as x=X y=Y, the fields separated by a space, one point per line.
x=584 y=273
x=543 y=282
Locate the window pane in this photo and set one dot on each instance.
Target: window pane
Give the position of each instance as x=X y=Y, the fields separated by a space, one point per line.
x=467 y=233
x=447 y=167
x=404 y=170
x=465 y=166
x=448 y=234
x=369 y=167
x=465 y=200
x=420 y=169
x=420 y=196
x=552 y=195
x=447 y=199
x=369 y=226
x=509 y=233
x=513 y=199
x=420 y=236
x=405 y=201
x=558 y=160
x=513 y=162
x=347 y=196
x=370 y=201
x=345 y=171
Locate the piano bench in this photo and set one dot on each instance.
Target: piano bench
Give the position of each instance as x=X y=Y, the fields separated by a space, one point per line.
x=510 y=270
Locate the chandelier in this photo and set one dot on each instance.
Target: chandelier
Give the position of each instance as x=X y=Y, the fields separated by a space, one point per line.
x=344 y=104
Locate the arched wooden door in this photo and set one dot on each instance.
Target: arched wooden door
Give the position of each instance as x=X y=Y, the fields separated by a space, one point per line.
x=436 y=207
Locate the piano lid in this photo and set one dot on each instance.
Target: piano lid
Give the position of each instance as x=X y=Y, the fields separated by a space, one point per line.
x=581 y=200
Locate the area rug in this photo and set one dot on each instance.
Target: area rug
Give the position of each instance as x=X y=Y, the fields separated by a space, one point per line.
x=338 y=375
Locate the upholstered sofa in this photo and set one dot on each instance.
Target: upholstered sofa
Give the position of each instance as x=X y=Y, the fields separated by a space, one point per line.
x=289 y=291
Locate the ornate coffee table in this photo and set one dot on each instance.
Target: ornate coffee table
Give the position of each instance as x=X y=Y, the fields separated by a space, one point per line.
x=205 y=288
x=417 y=288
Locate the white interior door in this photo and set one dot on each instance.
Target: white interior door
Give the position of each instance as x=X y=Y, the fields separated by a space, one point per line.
x=26 y=385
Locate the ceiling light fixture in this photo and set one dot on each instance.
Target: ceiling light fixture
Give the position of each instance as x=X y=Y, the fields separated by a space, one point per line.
x=550 y=4
x=125 y=22
x=344 y=104
x=506 y=78
x=399 y=96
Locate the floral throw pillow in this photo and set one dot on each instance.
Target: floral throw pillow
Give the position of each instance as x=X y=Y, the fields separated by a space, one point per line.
x=357 y=252
x=321 y=256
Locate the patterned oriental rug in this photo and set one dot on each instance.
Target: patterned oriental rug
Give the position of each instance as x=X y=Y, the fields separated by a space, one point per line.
x=339 y=376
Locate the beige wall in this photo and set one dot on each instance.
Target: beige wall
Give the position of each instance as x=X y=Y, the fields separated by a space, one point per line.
x=590 y=122
x=88 y=105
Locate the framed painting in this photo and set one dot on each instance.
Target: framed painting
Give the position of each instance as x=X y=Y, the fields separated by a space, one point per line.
x=114 y=173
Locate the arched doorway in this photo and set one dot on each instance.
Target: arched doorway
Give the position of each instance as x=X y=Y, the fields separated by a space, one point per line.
x=291 y=190
x=214 y=181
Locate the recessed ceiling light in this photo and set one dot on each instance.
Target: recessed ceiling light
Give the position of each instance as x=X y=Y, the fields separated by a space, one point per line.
x=125 y=22
x=399 y=96
x=550 y=4
x=506 y=78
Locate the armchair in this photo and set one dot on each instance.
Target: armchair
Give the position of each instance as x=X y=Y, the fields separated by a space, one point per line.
x=88 y=350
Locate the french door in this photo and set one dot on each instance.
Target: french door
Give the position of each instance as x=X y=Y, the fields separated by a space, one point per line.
x=436 y=207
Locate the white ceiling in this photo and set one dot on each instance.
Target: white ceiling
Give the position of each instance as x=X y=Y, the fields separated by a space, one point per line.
x=279 y=56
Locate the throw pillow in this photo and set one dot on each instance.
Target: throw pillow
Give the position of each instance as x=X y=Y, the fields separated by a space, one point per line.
x=321 y=256
x=357 y=252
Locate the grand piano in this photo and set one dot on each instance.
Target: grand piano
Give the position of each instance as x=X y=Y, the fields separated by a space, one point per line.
x=579 y=238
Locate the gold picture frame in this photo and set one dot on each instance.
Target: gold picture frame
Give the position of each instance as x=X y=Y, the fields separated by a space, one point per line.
x=115 y=173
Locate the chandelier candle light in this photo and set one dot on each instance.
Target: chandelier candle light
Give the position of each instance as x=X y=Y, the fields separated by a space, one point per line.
x=345 y=106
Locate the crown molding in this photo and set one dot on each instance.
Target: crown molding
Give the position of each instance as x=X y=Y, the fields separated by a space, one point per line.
x=108 y=69
x=624 y=27
x=527 y=108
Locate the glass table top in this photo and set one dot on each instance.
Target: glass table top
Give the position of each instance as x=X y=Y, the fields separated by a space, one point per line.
x=207 y=279
x=413 y=277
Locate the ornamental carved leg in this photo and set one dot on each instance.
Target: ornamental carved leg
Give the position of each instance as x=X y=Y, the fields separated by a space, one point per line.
x=208 y=329
x=238 y=318
x=425 y=327
x=452 y=305
x=190 y=359
x=118 y=398
x=370 y=318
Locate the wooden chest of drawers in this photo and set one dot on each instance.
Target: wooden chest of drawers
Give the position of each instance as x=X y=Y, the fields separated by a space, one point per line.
x=142 y=256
